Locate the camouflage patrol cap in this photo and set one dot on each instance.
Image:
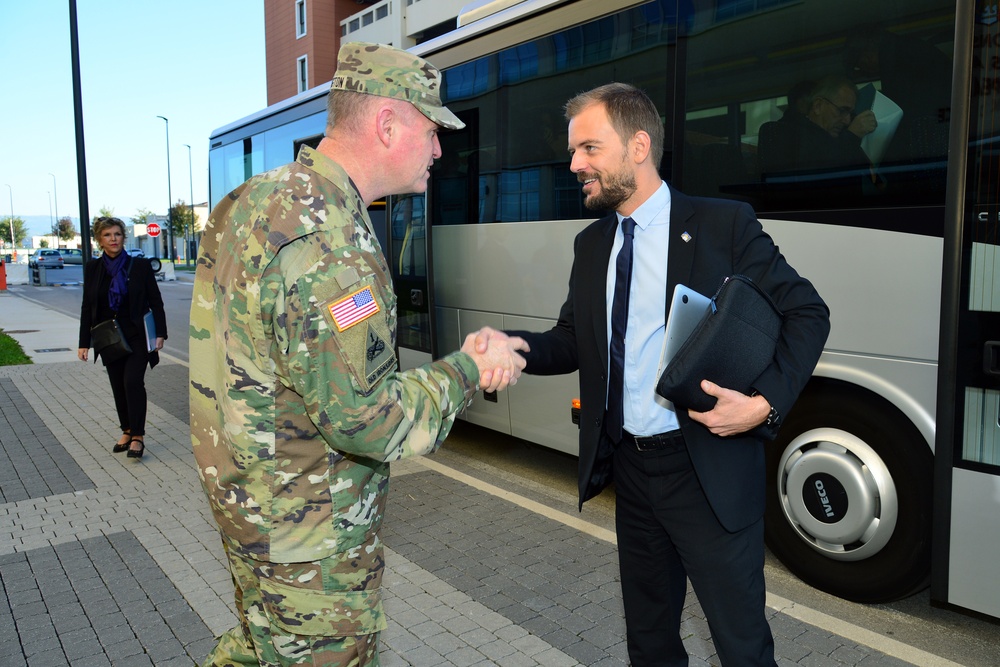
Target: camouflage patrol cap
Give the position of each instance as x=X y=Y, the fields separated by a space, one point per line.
x=378 y=69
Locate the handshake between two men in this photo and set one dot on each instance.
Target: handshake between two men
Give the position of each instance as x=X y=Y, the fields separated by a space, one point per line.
x=496 y=356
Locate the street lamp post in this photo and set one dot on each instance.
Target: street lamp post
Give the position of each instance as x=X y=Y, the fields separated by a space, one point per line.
x=187 y=239
x=170 y=197
x=13 y=241
x=55 y=195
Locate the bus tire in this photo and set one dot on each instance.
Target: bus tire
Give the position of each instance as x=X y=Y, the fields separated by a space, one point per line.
x=849 y=495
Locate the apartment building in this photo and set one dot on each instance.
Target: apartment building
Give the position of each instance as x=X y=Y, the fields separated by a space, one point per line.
x=302 y=37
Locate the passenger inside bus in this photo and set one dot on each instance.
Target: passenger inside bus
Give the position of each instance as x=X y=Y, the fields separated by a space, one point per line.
x=821 y=134
x=916 y=75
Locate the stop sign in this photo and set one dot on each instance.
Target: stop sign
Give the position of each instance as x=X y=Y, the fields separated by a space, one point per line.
x=153 y=229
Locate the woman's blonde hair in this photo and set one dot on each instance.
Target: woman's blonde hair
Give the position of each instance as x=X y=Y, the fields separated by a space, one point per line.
x=103 y=222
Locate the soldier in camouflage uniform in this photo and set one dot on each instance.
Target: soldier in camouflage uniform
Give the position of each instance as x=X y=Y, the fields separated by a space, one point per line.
x=297 y=406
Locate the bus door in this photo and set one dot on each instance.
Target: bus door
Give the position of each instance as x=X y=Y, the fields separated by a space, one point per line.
x=407 y=249
x=966 y=569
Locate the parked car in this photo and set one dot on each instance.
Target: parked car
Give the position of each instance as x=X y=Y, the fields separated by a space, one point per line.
x=46 y=257
x=135 y=252
x=71 y=255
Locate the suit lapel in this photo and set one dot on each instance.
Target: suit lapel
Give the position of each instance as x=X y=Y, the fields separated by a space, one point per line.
x=683 y=237
x=680 y=259
x=598 y=276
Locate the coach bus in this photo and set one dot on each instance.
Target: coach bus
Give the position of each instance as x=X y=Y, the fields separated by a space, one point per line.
x=886 y=474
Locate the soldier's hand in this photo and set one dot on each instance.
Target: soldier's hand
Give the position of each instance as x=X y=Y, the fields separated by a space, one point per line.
x=496 y=355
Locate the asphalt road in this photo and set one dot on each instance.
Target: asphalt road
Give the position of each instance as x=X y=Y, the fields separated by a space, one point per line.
x=176 y=303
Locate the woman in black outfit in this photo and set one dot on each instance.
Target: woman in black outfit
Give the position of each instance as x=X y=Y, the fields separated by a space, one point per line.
x=117 y=286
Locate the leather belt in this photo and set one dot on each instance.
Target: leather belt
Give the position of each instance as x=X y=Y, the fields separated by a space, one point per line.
x=650 y=443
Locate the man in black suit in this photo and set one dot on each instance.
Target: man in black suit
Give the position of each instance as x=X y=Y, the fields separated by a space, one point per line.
x=689 y=486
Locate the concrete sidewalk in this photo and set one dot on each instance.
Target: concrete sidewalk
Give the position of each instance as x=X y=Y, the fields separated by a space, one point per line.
x=106 y=560
x=46 y=335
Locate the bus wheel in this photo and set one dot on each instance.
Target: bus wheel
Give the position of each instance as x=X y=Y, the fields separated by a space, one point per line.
x=849 y=495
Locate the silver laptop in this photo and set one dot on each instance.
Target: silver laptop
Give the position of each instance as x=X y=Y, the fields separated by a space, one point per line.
x=687 y=307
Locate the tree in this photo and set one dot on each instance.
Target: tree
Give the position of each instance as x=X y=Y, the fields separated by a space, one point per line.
x=142 y=217
x=182 y=217
x=64 y=229
x=103 y=212
x=20 y=231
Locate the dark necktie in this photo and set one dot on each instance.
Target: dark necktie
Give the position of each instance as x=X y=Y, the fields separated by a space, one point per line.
x=619 y=319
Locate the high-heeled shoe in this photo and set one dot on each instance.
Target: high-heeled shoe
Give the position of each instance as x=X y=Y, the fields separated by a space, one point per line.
x=121 y=446
x=136 y=453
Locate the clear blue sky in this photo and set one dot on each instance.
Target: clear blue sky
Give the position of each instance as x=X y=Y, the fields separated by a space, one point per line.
x=200 y=63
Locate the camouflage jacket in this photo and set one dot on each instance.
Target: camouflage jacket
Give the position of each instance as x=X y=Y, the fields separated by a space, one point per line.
x=296 y=402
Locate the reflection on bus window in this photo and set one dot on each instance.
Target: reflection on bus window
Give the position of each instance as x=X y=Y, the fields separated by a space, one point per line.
x=233 y=163
x=814 y=104
x=409 y=271
x=510 y=163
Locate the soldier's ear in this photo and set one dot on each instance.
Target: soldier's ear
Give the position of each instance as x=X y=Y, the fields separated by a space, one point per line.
x=385 y=120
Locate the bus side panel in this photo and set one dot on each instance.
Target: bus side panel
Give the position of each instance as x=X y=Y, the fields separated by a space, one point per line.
x=540 y=406
x=975 y=540
x=476 y=284
x=883 y=288
x=908 y=385
x=512 y=268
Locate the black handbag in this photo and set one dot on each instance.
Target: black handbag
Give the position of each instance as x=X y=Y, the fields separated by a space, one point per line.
x=731 y=346
x=108 y=341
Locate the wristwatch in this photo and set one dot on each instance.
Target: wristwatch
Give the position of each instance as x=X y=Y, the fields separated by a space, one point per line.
x=773 y=417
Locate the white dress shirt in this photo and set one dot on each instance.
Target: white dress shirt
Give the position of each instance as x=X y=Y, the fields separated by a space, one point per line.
x=645 y=412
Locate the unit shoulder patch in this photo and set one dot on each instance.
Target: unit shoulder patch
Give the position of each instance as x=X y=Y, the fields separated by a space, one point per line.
x=362 y=334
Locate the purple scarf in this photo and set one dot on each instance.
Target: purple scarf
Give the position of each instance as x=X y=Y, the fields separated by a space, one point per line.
x=117 y=268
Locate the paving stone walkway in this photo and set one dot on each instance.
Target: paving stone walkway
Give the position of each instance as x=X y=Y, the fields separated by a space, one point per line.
x=106 y=560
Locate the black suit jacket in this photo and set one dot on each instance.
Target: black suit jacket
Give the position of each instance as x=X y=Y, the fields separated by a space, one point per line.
x=143 y=296
x=725 y=239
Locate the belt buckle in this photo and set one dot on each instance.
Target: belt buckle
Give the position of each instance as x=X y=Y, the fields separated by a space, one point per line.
x=640 y=443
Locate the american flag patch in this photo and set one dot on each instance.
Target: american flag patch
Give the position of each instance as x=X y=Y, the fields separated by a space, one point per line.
x=353 y=309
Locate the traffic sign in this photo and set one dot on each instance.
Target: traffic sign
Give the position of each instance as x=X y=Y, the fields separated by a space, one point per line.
x=153 y=229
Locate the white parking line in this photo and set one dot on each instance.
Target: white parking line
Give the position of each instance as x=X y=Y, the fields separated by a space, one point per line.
x=849 y=631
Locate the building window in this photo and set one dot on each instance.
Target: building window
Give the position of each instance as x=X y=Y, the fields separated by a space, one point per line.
x=355 y=25
x=381 y=12
x=300 y=18
x=303 y=71
x=367 y=19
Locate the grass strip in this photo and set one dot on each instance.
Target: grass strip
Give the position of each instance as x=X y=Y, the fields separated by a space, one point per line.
x=11 y=353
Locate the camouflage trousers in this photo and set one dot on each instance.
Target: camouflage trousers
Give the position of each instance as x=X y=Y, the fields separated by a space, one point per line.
x=263 y=636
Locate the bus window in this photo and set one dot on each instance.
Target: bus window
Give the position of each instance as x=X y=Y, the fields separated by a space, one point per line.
x=778 y=103
x=510 y=163
x=408 y=261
